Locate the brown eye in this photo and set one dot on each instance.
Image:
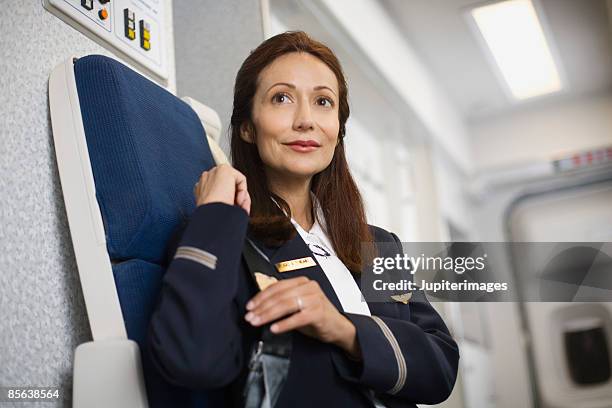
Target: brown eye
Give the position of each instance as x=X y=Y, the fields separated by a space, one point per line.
x=280 y=98
x=326 y=102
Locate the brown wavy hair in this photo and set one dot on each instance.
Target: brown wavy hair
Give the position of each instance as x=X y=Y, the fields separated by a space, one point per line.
x=334 y=187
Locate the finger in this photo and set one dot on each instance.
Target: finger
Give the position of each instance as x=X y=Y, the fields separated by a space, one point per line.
x=240 y=196
x=247 y=203
x=241 y=181
x=275 y=309
x=274 y=289
x=243 y=200
x=239 y=178
x=295 y=321
x=199 y=186
x=288 y=299
x=202 y=181
x=308 y=288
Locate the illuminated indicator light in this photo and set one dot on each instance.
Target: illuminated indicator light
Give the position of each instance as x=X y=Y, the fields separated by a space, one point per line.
x=103 y=14
x=129 y=24
x=584 y=159
x=145 y=35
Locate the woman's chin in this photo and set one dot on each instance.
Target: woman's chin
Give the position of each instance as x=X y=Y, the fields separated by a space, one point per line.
x=304 y=171
x=298 y=169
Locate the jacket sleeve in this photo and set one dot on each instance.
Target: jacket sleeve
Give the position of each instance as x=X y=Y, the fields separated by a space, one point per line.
x=194 y=339
x=412 y=358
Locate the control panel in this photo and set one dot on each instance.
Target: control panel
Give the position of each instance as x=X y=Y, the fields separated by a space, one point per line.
x=135 y=28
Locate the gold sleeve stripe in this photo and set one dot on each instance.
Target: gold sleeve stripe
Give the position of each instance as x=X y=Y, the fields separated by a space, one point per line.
x=399 y=357
x=197 y=255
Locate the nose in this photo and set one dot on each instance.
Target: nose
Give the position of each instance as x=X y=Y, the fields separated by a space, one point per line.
x=303 y=118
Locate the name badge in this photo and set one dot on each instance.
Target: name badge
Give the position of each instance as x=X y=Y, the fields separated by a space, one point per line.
x=295 y=264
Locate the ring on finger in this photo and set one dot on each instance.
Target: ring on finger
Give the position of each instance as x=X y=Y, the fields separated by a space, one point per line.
x=300 y=303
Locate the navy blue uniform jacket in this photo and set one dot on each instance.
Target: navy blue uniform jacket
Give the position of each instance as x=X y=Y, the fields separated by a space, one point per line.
x=198 y=337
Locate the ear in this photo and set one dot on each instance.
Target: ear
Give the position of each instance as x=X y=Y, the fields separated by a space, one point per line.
x=247 y=132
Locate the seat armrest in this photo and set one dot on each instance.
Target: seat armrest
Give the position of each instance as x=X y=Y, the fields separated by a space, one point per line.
x=108 y=373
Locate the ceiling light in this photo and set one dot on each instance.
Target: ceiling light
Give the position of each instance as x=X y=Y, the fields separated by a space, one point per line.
x=513 y=33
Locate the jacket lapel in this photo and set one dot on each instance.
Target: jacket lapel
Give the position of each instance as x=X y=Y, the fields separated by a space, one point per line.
x=296 y=249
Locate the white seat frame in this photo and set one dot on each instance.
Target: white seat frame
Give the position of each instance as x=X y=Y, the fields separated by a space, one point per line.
x=107 y=371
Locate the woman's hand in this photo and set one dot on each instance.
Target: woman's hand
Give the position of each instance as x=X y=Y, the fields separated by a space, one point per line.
x=309 y=311
x=224 y=184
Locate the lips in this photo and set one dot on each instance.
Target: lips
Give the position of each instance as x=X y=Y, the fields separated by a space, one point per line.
x=304 y=143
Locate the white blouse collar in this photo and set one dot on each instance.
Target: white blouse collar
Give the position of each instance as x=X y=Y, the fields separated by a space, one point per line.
x=337 y=274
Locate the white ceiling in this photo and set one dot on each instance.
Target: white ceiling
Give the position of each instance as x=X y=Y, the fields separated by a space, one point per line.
x=439 y=32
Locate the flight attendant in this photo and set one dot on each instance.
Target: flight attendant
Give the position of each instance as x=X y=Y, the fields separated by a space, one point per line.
x=290 y=194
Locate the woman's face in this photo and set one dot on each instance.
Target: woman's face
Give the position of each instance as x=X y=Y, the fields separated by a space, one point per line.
x=295 y=114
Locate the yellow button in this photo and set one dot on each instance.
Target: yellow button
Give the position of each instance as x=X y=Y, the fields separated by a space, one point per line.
x=103 y=14
x=146 y=34
x=146 y=44
x=131 y=34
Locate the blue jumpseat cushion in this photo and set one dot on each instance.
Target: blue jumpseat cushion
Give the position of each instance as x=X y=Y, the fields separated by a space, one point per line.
x=147 y=150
